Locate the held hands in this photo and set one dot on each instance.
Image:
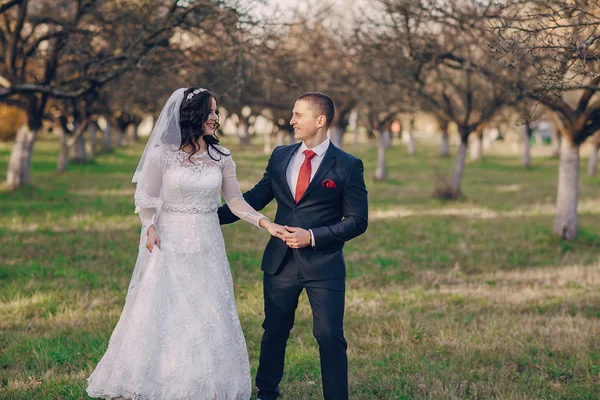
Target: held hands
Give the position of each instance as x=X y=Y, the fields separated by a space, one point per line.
x=276 y=230
x=273 y=228
x=153 y=239
x=297 y=238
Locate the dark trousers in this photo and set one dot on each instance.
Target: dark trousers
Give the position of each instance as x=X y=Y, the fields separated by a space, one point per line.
x=326 y=299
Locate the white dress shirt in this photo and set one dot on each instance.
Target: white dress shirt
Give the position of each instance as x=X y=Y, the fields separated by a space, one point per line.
x=293 y=169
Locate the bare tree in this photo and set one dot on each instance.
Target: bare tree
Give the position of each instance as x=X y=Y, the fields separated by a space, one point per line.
x=64 y=49
x=445 y=46
x=385 y=91
x=322 y=61
x=555 y=45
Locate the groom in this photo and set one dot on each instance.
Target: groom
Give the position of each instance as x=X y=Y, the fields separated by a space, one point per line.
x=322 y=200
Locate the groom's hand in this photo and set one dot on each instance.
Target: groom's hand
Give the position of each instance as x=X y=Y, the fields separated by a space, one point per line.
x=296 y=238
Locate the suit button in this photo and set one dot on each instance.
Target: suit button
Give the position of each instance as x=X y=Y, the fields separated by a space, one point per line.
x=295 y=211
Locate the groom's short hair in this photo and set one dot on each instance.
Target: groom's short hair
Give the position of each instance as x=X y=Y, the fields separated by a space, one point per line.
x=321 y=104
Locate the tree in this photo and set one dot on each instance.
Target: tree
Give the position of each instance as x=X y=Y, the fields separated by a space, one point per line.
x=445 y=46
x=386 y=91
x=63 y=49
x=554 y=47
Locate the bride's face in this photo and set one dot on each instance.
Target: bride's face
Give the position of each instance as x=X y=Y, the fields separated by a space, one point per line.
x=213 y=117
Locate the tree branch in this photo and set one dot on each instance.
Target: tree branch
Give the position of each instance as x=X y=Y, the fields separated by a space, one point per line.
x=6 y=6
x=587 y=95
x=16 y=35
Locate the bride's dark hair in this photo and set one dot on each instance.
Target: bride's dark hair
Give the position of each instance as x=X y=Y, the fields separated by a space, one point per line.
x=193 y=114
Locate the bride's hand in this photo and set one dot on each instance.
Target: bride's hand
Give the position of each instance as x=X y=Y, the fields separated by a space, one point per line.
x=153 y=239
x=277 y=230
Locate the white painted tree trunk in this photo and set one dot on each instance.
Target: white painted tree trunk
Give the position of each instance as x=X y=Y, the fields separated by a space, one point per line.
x=445 y=149
x=268 y=148
x=336 y=135
x=106 y=137
x=486 y=140
x=410 y=137
x=410 y=143
x=292 y=137
x=385 y=139
x=459 y=166
x=565 y=224
x=476 y=152
x=526 y=137
x=121 y=136
x=19 y=164
x=593 y=161
x=280 y=137
x=244 y=131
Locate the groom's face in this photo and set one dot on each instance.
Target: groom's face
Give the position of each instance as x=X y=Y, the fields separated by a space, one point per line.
x=304 y=121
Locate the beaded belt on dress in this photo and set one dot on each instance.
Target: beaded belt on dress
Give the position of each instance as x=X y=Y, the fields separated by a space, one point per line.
x=188 y=210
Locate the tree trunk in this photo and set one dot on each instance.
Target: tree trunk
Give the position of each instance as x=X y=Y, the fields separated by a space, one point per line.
x=280 y=137
x=477 y=148
x=268 y=148
x=385 y=139
x=526 y=133
x=336 y=135
x=410 y=138
x=63 y=154
x=106 y=137
x=292 y=137
x=93 y=130
x=79 y=152
x=121 y=136
x=410 y=143
x=486 y=139
x=136 y=132
x=565 y=224
x=459 y=166
x=445 y=149
x=556 y=141
x=244 y=131
x=19 y=164
x=593 y=162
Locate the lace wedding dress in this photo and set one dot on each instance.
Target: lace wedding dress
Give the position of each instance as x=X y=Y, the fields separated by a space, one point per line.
x=179 y=336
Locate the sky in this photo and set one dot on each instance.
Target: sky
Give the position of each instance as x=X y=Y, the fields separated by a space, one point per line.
x=308 y=7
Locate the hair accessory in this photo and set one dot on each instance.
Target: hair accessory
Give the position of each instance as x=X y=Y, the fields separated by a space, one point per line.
x=195 y=92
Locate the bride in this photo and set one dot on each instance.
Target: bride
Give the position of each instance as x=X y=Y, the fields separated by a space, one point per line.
x=179 y=336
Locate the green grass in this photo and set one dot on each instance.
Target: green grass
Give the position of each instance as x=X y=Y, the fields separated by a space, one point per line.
x=474 y=299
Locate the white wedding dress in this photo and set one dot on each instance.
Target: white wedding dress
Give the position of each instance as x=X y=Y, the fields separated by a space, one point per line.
x=179 y=336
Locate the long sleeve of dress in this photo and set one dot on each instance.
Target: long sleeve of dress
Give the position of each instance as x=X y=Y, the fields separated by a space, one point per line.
x=233 y=195
x=147 y=196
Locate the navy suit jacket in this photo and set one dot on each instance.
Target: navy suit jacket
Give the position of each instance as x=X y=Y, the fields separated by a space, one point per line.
x=335 y=214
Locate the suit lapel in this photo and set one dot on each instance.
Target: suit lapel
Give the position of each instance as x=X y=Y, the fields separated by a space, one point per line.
x=329 y=159
x=285 y=162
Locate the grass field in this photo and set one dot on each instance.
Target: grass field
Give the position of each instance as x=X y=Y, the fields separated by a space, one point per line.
x=473 y=299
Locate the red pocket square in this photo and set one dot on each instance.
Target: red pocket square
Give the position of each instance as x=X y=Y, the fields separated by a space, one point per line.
x=329 y=184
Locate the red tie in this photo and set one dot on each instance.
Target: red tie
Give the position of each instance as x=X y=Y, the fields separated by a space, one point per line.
x=304 y=175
